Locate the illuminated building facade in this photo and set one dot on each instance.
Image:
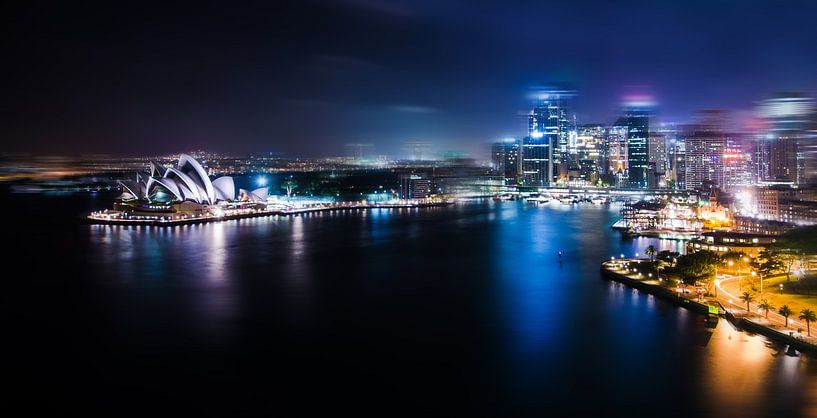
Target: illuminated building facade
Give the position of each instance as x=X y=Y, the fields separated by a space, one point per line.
x=505 y=156
x=616 y=153
x=589 y=148
x=679 y=166
x=738 y=163
x=186 y=181
x=705 y=144
x=704 y=159
x=636 y=116
x=790 y=138
x=537 y=147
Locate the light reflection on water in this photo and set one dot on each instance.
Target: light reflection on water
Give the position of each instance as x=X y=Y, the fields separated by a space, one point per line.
x=489 y=271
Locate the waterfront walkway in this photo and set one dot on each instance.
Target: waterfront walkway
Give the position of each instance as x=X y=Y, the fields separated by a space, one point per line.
x=120 y=218
x=729 y=291
x=632 y=272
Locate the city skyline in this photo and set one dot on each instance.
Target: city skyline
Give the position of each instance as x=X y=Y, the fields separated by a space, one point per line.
x=307 y=79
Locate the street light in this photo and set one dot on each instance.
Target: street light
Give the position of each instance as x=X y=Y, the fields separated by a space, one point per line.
x=717 y=283
x=761 y=282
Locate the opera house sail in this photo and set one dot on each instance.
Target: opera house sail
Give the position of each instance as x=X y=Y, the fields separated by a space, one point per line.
x=187 y=181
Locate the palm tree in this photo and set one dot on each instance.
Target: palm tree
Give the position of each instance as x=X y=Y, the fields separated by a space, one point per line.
x=748 y=298
x=766 y=306
x=785 y=311
x=808 y=315
x=651 y=252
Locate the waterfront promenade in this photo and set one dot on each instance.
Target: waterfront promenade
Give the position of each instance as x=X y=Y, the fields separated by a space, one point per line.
x=630 y=271
x=728 y=294
x=119 y=218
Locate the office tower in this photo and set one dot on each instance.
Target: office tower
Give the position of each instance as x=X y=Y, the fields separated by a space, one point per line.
x=705 y=143
x=498 y=156
x=738 y=162
x=657 y=156
x=546 y=151
x=635 y=117
x=680 y=165
x=505 y=157
x=589 y=147
x=415 y=186
x=616 y=150
x=564 y=154
x=537 y=147
x=789 y=138
x=670 y=143
x=657 y=151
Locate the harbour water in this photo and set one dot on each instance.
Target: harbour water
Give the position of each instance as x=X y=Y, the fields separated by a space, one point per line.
x=464 y=310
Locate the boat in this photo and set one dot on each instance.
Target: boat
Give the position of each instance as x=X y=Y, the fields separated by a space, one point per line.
x=599 y=200
x=539 y=199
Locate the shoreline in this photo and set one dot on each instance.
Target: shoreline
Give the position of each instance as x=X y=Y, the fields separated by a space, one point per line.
x=654 y=290
x=102 y=220
x=743 y=324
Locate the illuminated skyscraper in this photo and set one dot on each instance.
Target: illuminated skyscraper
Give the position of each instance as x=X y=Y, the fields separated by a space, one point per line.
x=738 y=162
x=617 y=150
x=679 y=166
x=537 y=147
x=789 y=139
x=505 y=157
x=589 y=146
x=705 y=144
x=636 y=117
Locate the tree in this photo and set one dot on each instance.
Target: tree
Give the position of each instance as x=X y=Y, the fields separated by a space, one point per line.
x=697 y=266
x=659 y=265
x=668 y=256
x=734 y=256
x=803 y=240
x=785 y=311
x=788 y=257
x=767 y=262
x=289 y=186
x=651 y=252
x=748 y=298
x=766 y=306
x=808 y=315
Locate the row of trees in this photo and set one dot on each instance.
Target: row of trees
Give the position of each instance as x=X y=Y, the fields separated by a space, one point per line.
x=806 y=314
x=701 y=266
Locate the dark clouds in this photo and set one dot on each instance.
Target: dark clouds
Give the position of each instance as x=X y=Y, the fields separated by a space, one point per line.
x=307 y=77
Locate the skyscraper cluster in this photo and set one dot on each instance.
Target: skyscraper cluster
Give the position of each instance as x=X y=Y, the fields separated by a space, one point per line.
x=713 y=151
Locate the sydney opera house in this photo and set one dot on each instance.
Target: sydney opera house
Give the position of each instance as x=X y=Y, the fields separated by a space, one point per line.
x=185 y=187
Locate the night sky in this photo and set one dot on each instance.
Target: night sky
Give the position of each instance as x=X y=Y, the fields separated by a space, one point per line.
x=306 y=77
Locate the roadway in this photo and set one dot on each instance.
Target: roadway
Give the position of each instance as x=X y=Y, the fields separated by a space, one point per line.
x=729 y=291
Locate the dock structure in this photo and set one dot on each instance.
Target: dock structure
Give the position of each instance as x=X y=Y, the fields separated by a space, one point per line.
x=218 y=214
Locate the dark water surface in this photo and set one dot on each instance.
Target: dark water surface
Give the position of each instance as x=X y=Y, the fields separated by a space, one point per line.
x=462 y=310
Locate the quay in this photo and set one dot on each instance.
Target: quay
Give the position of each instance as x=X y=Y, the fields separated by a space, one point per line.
x=611 y=270
x=217 y=215
x=615 y=270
